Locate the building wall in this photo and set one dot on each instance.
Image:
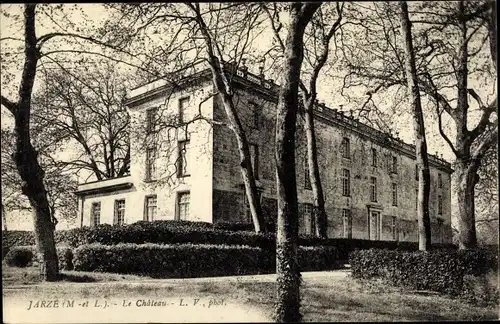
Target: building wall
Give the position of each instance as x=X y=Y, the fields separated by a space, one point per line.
x=229 y=204
x=167 y=185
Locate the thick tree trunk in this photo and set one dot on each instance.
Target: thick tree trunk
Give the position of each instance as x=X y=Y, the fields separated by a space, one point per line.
x=319 y=212
x=26 y=158
x=424 y=224
x=467 y=179
x=287 y=268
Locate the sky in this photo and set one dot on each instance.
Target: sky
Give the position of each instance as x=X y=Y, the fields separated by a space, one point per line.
x=88 y=16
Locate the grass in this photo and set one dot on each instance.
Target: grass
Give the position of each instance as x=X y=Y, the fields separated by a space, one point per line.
x=324 y=298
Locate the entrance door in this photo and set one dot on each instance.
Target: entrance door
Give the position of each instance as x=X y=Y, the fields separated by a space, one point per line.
x=374 y=225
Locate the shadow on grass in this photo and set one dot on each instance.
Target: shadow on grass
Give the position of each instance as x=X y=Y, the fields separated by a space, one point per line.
x=76 y=278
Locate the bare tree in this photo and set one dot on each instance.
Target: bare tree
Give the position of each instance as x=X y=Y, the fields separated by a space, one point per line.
x=59 y=183
x=320 y=34
x=424 y=186
x=86 y=111
x=287 y=268
x=217 y=34
x=451 y=40
x=33 y=50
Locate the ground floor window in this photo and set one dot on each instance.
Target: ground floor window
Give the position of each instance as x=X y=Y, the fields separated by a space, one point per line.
x=347 y=221
x=394 y=228
x=119 y=218
x=150 y=208
x=309 y=221
x=183 y=205
x=374 y=225
x=95 y=214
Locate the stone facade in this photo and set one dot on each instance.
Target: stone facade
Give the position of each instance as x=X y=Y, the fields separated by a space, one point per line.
x=216 y=187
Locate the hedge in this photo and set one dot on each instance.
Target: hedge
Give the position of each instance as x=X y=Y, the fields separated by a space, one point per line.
x=174 y=232
x=439 y=270
x=190 y=260
x=23 y=256
x=20 y=256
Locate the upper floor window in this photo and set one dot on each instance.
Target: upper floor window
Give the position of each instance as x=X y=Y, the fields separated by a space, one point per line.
x=440 y=180
x=373 y=189
x=394 y=164
x=440 y=205
x=374 y=157
x=255 y=110
x=307 y=178
x=183 y=161
x=95 y=214
x=150 y=208
x=151 y=120
x=254 y=156
x=346 y=150
x=346 y=179
x=119 y=218
x=150 y=163
x=183 y=105
x=394 y=194
x=183 y=205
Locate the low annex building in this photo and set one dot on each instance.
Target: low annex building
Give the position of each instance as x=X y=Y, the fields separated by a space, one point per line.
x=184 y=165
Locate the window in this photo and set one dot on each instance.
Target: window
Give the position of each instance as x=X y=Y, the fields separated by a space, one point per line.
x=119 y=218
x=373 y=189
x=150 y=163
x=309 y=221
x=347 y=220
x=416 y=172
x=151 y=115
x=254 y=156
x=440 y=205
x=255 y=115
x=346 y=148
x=394 y=194
x=440 y=231
x=394 y=164
x=440 y=180
x=346 y=179
x=416 y=199
x=150 y=208
x=183 y=165
x=183 y=206
x=95 y=214
x=183 y=105
x=307 y=178
x=394 y=228
x=374 y=157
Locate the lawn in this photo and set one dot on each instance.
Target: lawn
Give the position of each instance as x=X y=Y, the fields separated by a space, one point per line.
x=326 y=296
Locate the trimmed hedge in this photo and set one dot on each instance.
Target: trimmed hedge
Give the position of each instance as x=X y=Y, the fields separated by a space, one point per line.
x=181 y=261
x=174 y=232
x=438 y=270
x=189 y=260
x=20 y=256
x=23 y=256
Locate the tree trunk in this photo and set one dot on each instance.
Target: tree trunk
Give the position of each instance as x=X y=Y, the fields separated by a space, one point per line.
x=4 y=218
x=245 y=161
x=467 y=179
x=26 y=158
x=287 y=268
x=424 y=224
x=319 y=212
